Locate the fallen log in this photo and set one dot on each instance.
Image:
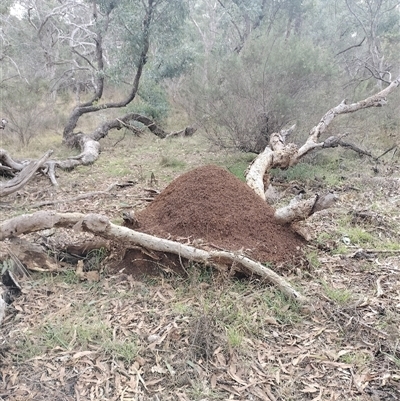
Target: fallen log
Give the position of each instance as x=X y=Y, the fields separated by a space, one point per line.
x=101 y=226
x=24 y=176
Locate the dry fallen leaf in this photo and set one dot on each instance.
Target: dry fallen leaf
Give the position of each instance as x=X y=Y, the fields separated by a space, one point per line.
x=93 y=276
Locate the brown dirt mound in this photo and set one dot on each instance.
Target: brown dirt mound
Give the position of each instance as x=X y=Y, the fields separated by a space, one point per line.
x=213 y=207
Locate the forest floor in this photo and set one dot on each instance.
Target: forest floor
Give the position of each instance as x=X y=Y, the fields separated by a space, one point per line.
x=204 y=335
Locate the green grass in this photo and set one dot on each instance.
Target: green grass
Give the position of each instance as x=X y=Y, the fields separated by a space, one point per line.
x=285 y=310
x=359 y=236
x=116 y=168
x=390 y=246
x=359 y=359
x=68 y=276
x=172 y=162
x=239 y=164
x=341 y=249
x=94 y=258
x=234 y=337
x=234 y=310
x=312 y=258
x=79 y=331
x=339 y=295
x=392 y=357
x=305 y=172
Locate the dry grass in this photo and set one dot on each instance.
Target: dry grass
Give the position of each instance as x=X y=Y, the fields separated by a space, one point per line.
x=208 y=337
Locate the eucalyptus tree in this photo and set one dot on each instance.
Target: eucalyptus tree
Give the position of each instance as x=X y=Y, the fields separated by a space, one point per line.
x=24 y=74
x=259 y=65
x=364 y=36
x=375 y=38
x=92 y=45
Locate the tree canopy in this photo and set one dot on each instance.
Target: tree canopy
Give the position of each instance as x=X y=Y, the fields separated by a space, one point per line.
x=241 y=70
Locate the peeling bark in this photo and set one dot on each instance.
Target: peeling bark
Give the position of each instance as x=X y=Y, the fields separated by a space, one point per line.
x=101 y=226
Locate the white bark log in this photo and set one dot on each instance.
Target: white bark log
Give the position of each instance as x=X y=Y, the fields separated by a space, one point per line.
x=101 y=226
x=3 y=306
x=260 y=166
x=24 y=176
x=302 y=209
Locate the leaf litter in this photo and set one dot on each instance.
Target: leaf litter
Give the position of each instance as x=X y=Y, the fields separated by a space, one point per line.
x=209 y=337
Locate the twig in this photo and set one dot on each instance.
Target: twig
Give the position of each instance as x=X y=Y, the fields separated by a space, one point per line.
x=76 y=198
x=351 y=47
x=382 y=333
x=387 y=151
x=379 y=291
x=382 y=250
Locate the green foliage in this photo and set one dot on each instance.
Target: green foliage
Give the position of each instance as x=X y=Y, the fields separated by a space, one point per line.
x=282 y=308
x=115 y=168
x=152 y=100
x=234 y=336
x=304 y=172
x=94 y=259
x=312 y=258
x=359 y=359
x=257 y=92
x=359 y=236
x=69 y=276
x=239 y=165
x=166 y=30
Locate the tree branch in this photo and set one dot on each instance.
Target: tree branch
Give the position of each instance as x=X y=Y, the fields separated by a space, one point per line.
x=24 y=176
x=93 y=105
x=351 y=47
x=281 y=155
x=101 y=226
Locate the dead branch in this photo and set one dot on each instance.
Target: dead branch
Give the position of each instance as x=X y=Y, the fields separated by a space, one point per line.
x=8 y=161
x=280 y=154
x=188 y=131
x=101 y=226
x=302 y=209
x=24 y=176
x=350 y=47
x=386 y=151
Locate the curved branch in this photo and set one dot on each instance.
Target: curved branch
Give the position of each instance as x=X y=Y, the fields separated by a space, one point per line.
x=351 y=47
x=281 y=155
x=24 y=176
x=93 y=105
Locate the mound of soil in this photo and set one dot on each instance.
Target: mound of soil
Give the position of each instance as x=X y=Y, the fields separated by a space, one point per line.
x=212 y=207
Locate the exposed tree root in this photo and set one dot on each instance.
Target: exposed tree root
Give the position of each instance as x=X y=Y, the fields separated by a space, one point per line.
x=101 y=226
